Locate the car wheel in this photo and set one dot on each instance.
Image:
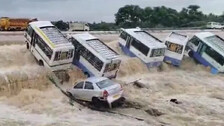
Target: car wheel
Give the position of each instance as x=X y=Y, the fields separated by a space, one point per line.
x=69 y=94
x=96 y=102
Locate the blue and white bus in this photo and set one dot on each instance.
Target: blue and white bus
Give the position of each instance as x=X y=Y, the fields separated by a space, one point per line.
x=94 y=57
x=176 y=44
x=208 y=49
x=138 y=43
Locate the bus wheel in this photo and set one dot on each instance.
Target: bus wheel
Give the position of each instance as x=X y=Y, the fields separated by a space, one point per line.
x=190 y=54
x=87 y=74
x=27 y=45
x=41 y=63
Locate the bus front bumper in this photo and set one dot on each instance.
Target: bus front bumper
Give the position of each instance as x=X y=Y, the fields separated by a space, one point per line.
x=61 y=67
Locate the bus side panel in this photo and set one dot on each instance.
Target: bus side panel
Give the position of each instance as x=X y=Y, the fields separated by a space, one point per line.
x=200 y=59
x=173 y=61
x=154 y=64
x=82 y=67
x=213 y=63
x=127 y=51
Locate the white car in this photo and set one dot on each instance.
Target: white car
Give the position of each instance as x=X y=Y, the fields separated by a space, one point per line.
x=96 y=89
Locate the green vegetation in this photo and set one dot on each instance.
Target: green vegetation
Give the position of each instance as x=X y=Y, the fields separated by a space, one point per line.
x=157 y=17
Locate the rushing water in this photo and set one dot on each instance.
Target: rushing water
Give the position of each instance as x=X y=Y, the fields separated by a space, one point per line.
x=28 y=98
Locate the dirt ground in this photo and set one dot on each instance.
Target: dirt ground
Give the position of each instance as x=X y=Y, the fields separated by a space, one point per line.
x=186 y=96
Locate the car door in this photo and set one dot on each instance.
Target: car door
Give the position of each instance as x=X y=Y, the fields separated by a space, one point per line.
x=89 y=91
x=77 y=90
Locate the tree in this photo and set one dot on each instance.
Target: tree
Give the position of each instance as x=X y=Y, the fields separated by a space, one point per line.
x=194 y=14
x=61 y=25
x=129 y=16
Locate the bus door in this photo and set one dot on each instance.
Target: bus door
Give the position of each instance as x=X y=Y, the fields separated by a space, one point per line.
x=194 y=44
x=202 y=48
x=128 y=41
x=33 y=41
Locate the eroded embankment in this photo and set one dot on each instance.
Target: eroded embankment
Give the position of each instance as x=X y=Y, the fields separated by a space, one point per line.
x=18 y=70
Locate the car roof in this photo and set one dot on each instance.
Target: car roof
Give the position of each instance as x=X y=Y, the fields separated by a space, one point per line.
x=96 y=79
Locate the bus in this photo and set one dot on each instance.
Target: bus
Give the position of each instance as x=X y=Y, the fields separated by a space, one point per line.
x=49 y=46
x=176 y=44
x=208 y=49
x=139 y=43
x=94 y=57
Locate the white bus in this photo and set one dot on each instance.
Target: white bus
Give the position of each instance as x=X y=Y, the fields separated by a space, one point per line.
x=94 y=57
x=176 y=44
x=138 y=43
x=49 y=46
x=208 y=49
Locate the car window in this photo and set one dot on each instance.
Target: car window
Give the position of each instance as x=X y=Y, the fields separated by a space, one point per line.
x=79 y=85
x=104 y=83
x=89 y=85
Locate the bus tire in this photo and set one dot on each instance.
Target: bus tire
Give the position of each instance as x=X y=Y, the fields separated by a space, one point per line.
x=27 y=45
x=41 y=63
x=87 y=74
x=190 y=54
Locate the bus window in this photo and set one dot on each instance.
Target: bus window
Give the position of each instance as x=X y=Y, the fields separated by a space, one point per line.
x=140 y=47
x=214 y=55
x=63 y=55
x=29 y=31
x=123 y=35
x=92 y=59
x=157 y=52
x=44 y=47
x=195 y=41
x=174 y=47
x=112 y=66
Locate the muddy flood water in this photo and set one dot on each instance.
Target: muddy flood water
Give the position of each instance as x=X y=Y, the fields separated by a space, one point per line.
x=186 y=96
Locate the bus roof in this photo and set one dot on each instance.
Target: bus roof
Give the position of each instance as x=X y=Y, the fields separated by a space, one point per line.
x=144 y=37
x=177 y=38
x=215 y=42
x=97 y=46
x=48 y=32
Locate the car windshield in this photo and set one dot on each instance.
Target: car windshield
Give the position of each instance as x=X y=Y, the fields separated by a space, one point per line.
x=104 y=83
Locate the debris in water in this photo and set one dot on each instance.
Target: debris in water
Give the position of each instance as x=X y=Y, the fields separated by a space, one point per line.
x=154 y=112
x=175 y=101
x=140 y=84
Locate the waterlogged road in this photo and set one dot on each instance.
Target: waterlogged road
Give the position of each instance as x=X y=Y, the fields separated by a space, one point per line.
x=30 y=99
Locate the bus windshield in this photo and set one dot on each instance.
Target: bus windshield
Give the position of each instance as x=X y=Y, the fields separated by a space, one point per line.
x=112 y=66
x=63 y=55
x=157 y=52
x=173 y=47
